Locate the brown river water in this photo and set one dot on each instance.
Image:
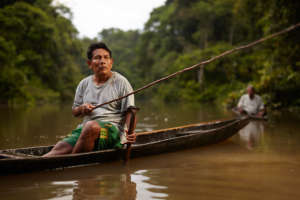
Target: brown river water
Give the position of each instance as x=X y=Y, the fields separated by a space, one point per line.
x=262 y=161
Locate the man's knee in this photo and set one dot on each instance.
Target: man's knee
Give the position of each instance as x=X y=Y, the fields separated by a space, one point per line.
x=91 y=129
x=62 y=146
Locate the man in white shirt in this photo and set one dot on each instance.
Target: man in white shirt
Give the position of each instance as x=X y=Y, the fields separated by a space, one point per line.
x=251 y=103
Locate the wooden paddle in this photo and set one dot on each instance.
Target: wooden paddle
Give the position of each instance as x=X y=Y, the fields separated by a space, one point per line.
x=131 y=117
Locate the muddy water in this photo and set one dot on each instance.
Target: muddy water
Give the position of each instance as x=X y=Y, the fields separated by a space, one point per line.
x=262 y=161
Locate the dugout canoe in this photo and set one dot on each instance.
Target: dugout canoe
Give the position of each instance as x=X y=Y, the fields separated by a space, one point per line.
x=29 y=159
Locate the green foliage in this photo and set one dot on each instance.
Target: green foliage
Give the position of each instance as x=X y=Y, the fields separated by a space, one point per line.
x=41 y=58
x=38 y=47
x=183 y=33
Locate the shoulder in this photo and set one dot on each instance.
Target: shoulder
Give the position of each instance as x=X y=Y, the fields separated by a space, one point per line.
x=244 y=99
x=258 y=97
x=121 y=83
x=244 y=96
x=119 y=78
x=85 y=82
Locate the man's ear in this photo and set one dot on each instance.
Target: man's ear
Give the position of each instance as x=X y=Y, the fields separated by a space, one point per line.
x=88 y=62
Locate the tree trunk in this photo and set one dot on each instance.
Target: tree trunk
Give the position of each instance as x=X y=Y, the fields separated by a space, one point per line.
x=200 y=76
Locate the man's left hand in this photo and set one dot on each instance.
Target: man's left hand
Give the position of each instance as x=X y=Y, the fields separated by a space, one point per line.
x=131 y=138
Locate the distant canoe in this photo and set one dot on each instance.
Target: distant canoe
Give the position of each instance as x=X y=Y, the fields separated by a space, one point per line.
x=148 y=143
x=252 y=117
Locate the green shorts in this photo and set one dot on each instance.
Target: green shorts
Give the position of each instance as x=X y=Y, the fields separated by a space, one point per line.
x=109 y=137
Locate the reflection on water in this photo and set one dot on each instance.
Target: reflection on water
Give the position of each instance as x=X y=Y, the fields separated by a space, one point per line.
x=252 y=133
x=146 y=189
x=261 y=162
x=123 y=186
x=106 y=187
x=63 y=189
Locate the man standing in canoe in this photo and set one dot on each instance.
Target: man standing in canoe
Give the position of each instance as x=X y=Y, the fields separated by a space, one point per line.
x=251 y=103
x=104 y=127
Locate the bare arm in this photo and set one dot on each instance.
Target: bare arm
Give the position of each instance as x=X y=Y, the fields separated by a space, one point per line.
x=82 y=110
x=130 y=115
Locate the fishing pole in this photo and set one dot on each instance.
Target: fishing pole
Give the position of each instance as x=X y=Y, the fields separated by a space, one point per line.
x=201 y=64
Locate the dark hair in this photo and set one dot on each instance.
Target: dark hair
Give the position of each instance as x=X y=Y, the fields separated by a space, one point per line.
x=98 y=45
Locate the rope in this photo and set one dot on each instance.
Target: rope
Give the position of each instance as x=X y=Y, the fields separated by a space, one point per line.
x=290 y=28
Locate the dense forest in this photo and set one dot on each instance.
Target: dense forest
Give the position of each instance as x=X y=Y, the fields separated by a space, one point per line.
x=42 y=58
x=39 y=52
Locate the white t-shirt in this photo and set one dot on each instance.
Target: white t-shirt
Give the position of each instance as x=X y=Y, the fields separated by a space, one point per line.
x=251 y=106
x=116 y=86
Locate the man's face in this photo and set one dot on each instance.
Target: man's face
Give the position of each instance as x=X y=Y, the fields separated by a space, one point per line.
x=250 y=92
x=101 y=62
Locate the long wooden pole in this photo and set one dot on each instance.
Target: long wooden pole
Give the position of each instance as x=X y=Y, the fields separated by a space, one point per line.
x=290 y=28
x=131 y=114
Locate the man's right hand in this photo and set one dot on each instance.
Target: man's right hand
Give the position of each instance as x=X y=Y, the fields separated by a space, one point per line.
x=86 y=109
x=83 y=110
x=240 y=109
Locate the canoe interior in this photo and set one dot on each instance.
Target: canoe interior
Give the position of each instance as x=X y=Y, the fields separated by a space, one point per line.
x=24 y=152
x=142 y=138
x=152 y=136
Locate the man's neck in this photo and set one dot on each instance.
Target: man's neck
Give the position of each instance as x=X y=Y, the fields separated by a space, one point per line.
x=102 y=78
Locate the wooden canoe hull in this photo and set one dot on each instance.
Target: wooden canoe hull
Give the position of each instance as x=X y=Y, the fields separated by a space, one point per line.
x=148 y=143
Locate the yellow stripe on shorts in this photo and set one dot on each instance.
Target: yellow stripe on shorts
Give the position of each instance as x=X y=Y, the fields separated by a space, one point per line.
x=104 y=133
